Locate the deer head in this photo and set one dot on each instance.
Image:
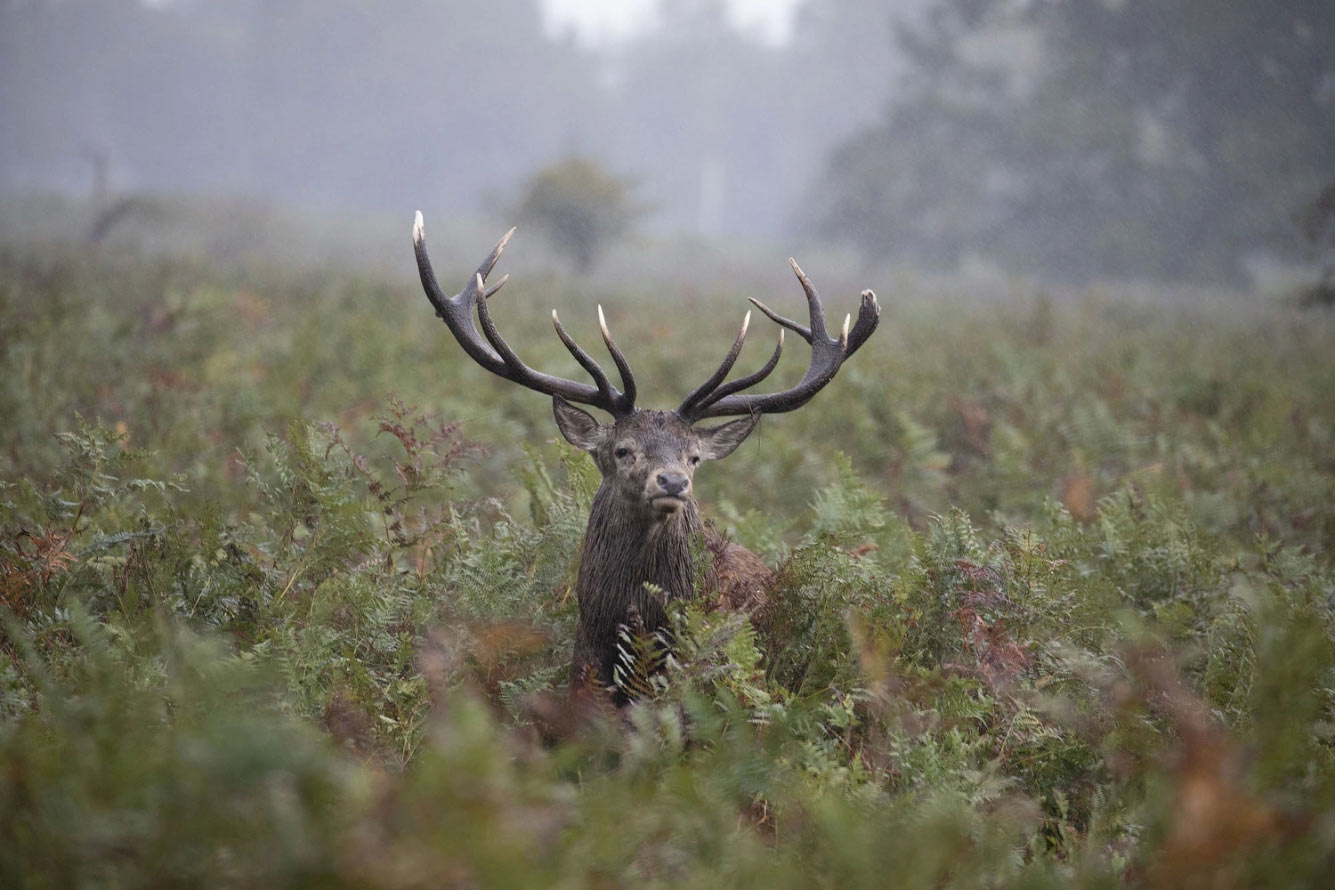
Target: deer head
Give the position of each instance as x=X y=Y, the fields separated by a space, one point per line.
x=648 y=458
x=644 y=512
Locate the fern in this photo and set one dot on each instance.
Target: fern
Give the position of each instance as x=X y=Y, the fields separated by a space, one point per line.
x=638 y=671
x=1038 y=645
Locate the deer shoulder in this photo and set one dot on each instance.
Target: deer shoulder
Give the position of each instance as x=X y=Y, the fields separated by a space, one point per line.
x=737 y=579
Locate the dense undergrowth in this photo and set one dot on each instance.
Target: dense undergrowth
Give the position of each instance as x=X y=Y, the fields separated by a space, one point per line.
x=1054 y=607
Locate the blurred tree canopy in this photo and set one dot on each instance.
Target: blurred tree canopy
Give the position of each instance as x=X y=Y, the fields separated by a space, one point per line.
x=580 y=207
x=1143 y=138
x=1316 y=224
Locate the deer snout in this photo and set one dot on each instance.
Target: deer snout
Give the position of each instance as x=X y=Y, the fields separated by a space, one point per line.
x=673 y=484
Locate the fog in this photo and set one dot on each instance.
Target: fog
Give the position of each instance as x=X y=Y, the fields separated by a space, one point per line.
x=428 y=103
x=1078 y=139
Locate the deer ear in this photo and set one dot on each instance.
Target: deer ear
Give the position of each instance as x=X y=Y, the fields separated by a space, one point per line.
x=579 y=427
x=720 y=441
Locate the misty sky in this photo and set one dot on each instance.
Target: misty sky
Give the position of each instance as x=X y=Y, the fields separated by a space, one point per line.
x=606 y=21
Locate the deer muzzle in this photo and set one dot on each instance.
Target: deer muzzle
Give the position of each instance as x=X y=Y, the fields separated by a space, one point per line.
x=668 y=490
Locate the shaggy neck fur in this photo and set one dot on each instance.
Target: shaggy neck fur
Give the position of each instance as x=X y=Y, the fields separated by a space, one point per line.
x=623 y=550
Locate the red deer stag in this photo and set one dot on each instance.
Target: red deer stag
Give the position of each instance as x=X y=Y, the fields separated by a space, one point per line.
x=644 y=519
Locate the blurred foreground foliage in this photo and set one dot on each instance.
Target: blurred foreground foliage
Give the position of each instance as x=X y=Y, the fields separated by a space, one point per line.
x=1059 y=615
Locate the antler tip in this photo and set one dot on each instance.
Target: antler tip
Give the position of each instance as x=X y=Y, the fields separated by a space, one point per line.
x=500 y=246
x=497 y=286
x=602 y=326
x=848 y=319
x=419 y=228
x=803 y=280
x=746 y=323
x=769 y=313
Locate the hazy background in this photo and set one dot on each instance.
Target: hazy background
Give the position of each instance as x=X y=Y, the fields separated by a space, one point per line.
x=1168 y=140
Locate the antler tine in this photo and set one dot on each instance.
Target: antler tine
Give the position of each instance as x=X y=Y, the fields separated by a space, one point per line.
x=869 y=316
x=702 y=392
x=801 y=330
x=814 y=306
x=742 y=383
x=827 y=355
x=490 y=350
x=586 y=361
x=813 y=301
x=456 y=311
x=489 y=330
x=623 y=366
x=484 y=269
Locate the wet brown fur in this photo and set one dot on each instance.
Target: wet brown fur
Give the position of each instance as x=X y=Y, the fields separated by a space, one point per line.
x=637 y=538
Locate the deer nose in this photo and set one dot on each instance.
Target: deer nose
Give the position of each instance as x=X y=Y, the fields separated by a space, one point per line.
x=674 y=484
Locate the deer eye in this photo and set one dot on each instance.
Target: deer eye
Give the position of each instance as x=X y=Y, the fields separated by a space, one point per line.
x=622 y=453
x=695 y=459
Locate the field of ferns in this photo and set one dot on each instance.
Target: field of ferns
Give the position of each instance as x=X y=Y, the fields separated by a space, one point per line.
x=286 y=589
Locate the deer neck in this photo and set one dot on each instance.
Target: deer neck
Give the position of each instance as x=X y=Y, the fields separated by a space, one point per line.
x=625 y=549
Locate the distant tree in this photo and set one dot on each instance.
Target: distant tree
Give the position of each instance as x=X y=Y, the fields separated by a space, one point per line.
x=1154 y=138
x=919 y=182
x=580 y=207
x=1316 y=225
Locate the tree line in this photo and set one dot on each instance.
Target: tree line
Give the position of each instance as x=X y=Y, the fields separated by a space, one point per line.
x=1161 y=139
x=1166 y=139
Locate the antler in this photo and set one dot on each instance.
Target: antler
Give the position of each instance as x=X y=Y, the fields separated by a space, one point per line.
x=714 y=398
x=494 y=354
